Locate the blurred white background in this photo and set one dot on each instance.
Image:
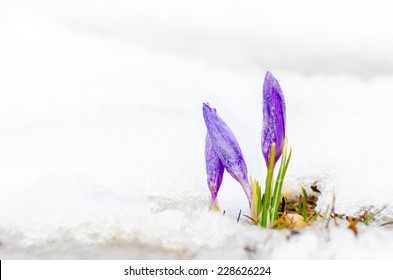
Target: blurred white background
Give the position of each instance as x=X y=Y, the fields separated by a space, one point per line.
x=310 y=37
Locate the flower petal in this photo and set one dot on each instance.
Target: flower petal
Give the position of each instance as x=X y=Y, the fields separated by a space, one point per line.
x=274 y=119
x=214 y=169
x=227 y=148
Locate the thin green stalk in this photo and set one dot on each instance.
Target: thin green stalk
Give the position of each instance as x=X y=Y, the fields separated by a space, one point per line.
x=268 y=188
x=256 y=203
x=278 y=186
x=304 y=210
x=287 y=163
x=304 y=205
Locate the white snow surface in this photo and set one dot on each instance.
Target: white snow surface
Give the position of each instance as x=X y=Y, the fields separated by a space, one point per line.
x=102 y=134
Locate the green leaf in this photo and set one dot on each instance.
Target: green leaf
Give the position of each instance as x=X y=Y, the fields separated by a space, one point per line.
x=304 y=204
x=256 y=203
x=280 y=180
x=268 y=188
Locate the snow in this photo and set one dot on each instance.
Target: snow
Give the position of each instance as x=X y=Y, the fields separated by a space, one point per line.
x=102 y=134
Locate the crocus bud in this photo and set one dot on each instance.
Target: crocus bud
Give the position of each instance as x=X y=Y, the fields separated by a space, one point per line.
x=273 y=127
x=227 y=148
x=214 y=170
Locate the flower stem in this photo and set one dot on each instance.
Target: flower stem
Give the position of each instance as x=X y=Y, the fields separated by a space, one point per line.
x=265 y=221
x=214 y=206
x=280 y=180
x=256 y=204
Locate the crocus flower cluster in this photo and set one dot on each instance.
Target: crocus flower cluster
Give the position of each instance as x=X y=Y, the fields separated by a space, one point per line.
x=222 y=151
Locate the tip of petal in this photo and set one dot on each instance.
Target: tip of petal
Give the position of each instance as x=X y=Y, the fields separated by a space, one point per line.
x=207 y=109
x=269 y=76
x=271 y=82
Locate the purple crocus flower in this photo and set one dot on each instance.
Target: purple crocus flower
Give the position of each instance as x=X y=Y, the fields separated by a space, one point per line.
x=273 y=127
x=227 y=148
x=214 y=169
